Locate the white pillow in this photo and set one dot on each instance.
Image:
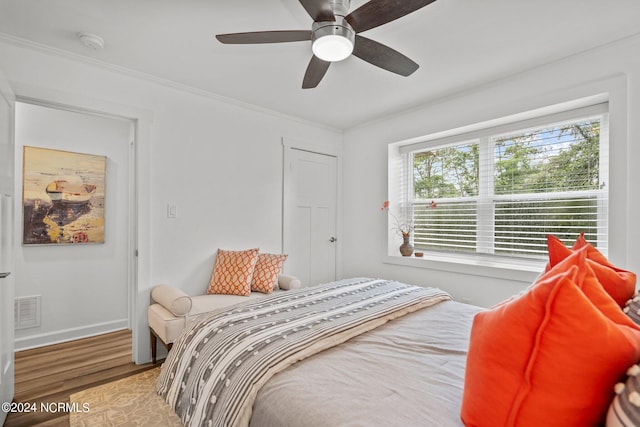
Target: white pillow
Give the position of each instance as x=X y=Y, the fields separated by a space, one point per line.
x=173 y=299
x=288 y=282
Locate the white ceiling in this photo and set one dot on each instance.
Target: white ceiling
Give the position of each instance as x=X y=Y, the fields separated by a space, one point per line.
x=458 y=44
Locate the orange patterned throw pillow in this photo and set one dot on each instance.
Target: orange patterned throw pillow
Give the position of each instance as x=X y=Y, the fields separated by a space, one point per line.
x=265 y=275
x=232 y=272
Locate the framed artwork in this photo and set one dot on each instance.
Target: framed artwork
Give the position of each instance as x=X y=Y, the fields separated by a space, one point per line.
x=62 y=197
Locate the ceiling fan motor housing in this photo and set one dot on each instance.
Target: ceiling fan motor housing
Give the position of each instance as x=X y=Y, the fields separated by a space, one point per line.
x=339 y=27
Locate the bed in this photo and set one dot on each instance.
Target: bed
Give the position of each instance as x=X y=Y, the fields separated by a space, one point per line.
x=399 y=366
x=408 y=372
x=374 y=352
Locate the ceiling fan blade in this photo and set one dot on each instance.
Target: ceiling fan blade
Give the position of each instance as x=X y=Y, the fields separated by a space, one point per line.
x=265 y=37
x=378 y=12
x=319 y=10
x=315 y=72
x=383 y=56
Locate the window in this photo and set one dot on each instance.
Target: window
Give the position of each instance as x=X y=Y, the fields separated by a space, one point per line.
x=500 y=191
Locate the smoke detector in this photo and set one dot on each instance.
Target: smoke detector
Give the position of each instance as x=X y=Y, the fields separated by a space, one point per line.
x=91 y=41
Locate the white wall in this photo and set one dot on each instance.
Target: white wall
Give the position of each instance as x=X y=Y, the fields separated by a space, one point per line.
x=83 y=288
x=613 y=69
x=218 y=162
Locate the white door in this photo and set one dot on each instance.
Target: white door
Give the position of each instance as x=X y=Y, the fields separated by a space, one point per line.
x=309 y=223
x=7 y=159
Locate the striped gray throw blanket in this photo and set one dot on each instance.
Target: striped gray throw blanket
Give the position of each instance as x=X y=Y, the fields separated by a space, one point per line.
x=216 y=368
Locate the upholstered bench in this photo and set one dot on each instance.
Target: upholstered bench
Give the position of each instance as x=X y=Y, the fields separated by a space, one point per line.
x=172 y=309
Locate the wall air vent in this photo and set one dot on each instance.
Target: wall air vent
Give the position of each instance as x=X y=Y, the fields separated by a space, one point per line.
x=27 y=312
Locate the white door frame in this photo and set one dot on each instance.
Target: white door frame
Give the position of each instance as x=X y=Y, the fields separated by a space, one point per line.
x=7 y=283
x=139 y=197
x=328 y=149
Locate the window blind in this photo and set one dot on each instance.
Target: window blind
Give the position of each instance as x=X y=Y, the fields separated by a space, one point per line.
x=502 y=190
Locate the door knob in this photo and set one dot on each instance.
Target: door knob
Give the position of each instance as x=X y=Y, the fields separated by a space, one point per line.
x=332 y=239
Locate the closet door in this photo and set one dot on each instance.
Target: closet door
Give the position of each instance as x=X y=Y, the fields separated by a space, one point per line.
x=309 y=223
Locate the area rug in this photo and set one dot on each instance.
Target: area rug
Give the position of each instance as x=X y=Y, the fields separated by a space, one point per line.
x=131 y=401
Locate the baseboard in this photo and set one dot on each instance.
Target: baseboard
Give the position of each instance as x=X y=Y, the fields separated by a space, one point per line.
x=41 y=340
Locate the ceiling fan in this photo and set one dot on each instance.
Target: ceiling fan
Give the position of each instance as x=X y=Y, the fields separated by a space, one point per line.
x=335 y=35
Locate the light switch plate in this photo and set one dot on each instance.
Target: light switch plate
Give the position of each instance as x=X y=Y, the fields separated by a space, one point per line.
x=172 y=211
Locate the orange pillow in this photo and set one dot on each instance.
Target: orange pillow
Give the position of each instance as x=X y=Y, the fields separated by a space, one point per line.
x=551 y=356
x=594 y=254
x=232 y=272
x=265 y=275
x=618 y=283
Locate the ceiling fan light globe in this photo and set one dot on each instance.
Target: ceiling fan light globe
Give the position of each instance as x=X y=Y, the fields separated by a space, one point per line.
x=332 y=48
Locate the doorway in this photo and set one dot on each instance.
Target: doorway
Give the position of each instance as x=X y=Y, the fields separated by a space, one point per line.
x=81 y=290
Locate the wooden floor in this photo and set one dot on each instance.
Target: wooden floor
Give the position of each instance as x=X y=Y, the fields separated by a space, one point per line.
x=51 y=374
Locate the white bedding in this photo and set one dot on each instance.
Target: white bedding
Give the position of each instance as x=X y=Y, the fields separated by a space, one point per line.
x=408 y=372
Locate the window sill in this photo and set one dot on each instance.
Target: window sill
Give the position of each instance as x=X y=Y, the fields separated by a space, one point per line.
x=501 y=268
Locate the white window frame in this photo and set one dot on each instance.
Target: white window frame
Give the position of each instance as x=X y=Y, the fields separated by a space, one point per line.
x=483 y=261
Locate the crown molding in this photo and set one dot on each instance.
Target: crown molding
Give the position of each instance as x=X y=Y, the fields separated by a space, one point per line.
x=54 y=51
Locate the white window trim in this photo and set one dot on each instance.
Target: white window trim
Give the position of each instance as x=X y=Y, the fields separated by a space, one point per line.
x=497 y=267
x=477 y=264
x=512 y=126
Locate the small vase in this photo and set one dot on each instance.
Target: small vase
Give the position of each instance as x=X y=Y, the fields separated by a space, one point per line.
x=406 y=249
